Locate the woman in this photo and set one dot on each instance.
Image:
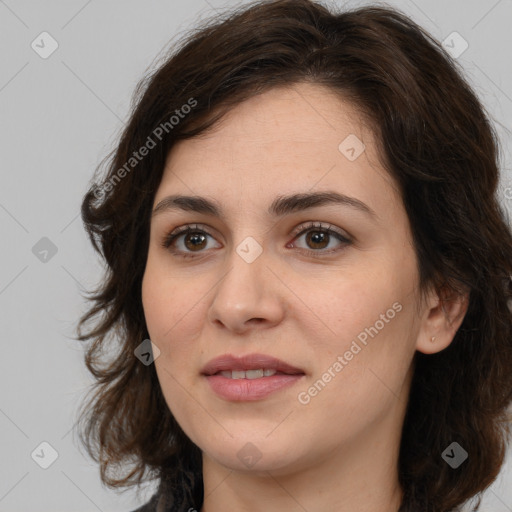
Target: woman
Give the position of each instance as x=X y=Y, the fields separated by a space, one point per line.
x=308 y=273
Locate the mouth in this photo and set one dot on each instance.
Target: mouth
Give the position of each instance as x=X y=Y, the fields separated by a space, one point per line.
x=249 y=378
x=249 y=374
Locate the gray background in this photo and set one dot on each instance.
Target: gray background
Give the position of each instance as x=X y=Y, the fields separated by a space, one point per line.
x=59 y=117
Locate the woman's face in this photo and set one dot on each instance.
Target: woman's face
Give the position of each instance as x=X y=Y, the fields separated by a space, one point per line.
x=263 y=277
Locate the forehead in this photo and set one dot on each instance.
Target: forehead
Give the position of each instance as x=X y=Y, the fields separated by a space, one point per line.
x=287 y=140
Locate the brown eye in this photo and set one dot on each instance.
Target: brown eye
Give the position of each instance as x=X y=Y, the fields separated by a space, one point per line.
x=318 y=238
x=187 y=240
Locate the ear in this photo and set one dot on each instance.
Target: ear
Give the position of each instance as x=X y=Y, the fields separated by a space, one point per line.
x=443 y=314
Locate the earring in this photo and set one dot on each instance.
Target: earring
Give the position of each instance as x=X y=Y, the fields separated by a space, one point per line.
x=433 y=339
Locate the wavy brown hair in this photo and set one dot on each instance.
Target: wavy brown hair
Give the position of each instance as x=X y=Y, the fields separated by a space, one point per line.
x=438 y=144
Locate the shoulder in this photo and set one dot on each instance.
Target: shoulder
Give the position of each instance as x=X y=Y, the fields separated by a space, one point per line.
x=151 y=505
x=172 y=499
x=160 y=502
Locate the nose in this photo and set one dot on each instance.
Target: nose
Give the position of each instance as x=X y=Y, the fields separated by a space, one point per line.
x=248 y=296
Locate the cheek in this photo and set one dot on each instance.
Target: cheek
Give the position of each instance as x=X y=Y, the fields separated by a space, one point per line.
x=171 y=303
x=373 y=340
x=171 y=309
x=352 y=302
x=370 y=316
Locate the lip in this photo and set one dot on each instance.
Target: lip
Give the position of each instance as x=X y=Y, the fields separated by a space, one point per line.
x=246 y=390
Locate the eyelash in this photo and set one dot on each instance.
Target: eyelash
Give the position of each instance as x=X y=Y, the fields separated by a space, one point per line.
x=171 y=237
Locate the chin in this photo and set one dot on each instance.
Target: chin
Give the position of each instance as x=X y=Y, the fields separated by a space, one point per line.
x=252 y=454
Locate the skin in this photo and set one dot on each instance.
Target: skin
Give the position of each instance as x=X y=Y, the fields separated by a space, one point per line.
x=340 y=450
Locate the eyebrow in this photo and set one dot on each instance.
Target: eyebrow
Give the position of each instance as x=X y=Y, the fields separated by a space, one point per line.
x=282 y=205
